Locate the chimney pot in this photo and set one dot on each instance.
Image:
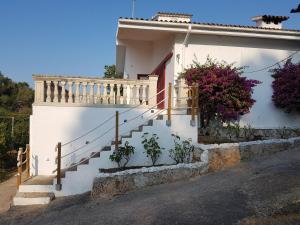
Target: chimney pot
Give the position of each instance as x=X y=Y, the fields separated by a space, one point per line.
x=269 y=21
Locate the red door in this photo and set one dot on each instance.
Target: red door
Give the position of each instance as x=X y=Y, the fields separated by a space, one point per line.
x=160 y=70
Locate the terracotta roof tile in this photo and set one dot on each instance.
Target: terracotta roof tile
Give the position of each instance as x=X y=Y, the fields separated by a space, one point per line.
x=213 y=24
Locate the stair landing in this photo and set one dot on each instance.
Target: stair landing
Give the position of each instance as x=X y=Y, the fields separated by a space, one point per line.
x=39 y=180
x=37 y=190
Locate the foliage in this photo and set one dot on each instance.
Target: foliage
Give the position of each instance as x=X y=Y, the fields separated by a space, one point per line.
x=283 y=132
x=123 y=155
x=286 y=86
x=110 y=72
x=233 y=129
x=181 y=153
x=223 y=93
x=16 y=99
x=151 y=146
x=249 y=132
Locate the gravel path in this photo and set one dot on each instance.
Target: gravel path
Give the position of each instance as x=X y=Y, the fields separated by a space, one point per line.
x=265 y=191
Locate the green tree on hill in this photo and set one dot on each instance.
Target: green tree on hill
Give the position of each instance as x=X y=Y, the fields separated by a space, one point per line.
x=16 y=99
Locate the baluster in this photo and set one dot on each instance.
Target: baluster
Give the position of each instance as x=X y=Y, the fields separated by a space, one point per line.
x=91 y=96
x=70 y=98
x=144 y=96
x=131 y=95
x=63 y=92
x=77 y=90
x=118 y=94
x=98 y=99
x=124 y=97
x=84 y=84
x=55 y=99
x=136 y=95
x=48 y=97
x=105 y=97
x=111 y=92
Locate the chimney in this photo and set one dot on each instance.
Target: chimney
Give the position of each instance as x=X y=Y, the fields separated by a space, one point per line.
x=268 y=21
x=178 y=17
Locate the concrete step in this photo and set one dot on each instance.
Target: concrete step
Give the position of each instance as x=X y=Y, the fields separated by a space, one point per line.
x=36 y=198
x=36 y=188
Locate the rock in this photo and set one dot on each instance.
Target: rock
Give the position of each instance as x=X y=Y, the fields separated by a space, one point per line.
x=219 y=159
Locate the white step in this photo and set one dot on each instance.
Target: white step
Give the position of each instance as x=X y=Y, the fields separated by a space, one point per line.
x=32 y=198
x=36 y=188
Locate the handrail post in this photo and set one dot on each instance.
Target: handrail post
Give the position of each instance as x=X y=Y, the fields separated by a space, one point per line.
x=193 y=106
x=168 y=122
x=117 y=132
x=19 y=164
x=58 y=172
x=27 y=161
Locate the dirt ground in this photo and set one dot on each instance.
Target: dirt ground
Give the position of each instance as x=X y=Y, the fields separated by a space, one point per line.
x=265 y=191
x=8 y=190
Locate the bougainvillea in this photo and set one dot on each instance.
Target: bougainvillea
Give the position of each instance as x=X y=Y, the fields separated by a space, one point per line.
x=223 y=93
x=286 y=86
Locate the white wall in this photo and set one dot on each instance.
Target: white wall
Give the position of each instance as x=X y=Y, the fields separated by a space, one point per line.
x=138 y=57
x=142 y=57
x=255 y=53
x=80 y=181
x=52 y=124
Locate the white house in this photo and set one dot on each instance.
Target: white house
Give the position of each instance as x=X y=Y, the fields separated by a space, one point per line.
x=80 y=112
x=169 y=42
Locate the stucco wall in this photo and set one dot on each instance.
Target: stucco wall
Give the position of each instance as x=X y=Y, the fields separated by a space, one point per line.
x=52 y=124
x=138 y=57
x=142 y=57
x=252 y=52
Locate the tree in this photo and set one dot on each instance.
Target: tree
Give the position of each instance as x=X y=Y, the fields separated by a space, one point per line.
x=16 y=99
x=110 y=72
x=286 y=86
x=224 y=94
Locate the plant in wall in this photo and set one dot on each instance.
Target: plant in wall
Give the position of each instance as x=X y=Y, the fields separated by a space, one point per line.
x=223 y=94
x=286 y=91
x=283 y=132
x=233 y=130
x=123 y=155
x=249 y=132
x=151 y=146
x=182 y=151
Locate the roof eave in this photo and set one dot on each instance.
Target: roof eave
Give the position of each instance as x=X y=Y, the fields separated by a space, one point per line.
x=181 y=27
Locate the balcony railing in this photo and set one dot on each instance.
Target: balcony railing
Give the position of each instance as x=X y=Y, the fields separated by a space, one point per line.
x=94 y=91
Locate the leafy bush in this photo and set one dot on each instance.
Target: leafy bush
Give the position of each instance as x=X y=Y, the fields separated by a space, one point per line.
x=223 y=93
x=123 y=155
x=151 y=146
x=286 y=86
x=181 y=153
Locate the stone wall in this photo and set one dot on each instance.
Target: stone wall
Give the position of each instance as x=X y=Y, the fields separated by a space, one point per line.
x=122 y=182
x=228 y=155
x=212 y=158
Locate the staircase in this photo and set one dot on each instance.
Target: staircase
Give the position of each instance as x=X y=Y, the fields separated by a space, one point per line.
x=36 y=190
x=78 y=178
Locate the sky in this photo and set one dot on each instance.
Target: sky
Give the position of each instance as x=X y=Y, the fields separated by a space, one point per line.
x=77 y=37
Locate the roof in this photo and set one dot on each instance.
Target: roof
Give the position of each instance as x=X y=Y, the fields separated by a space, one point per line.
x=210 y=24
x=174 y=14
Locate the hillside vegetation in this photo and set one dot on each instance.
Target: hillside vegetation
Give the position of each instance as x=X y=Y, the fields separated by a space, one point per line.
x=15 y=108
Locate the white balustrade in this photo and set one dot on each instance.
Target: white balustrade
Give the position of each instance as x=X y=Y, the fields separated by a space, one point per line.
x=94 y=91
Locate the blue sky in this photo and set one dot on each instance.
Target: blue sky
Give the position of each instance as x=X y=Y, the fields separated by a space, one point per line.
x=77 y=37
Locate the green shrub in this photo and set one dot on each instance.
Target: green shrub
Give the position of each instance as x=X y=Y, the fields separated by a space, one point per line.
x=181 y=153
x=123 y=155
x=151 y=146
